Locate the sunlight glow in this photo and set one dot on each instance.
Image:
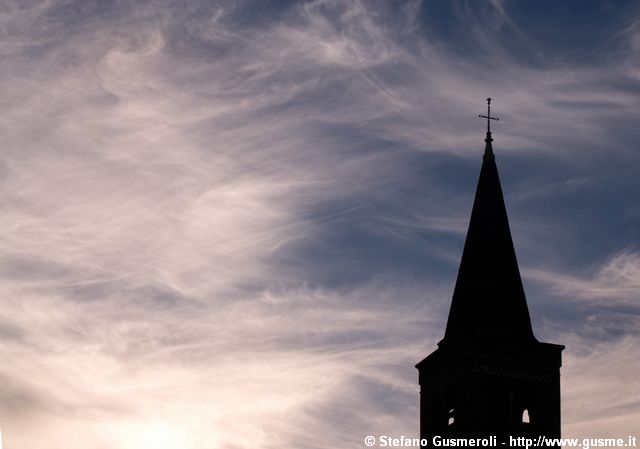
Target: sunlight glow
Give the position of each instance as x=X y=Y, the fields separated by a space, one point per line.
x=154 y=436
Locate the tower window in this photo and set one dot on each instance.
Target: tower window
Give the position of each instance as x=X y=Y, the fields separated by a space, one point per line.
x=525 y=416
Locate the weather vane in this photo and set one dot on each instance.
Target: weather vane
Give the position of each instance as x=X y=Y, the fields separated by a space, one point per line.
x=488 y=116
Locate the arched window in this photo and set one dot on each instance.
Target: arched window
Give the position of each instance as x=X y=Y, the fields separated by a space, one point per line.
x=451 y=419
x=525 y=416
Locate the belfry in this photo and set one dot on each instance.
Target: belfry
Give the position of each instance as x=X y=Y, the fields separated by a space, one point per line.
x=490 y=376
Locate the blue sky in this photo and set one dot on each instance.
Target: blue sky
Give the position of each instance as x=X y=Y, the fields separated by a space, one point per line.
x=237 y=224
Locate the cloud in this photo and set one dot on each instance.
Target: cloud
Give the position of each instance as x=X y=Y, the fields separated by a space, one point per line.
x=245 y=218
x=618 y=278
x=243 y=365
x=595 y=405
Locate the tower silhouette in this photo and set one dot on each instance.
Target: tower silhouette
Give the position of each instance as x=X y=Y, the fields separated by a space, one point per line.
x=490 y=375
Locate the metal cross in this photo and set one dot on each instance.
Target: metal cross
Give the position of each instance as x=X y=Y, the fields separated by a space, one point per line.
x=488 y=116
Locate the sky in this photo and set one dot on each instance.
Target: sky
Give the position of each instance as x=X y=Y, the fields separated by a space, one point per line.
x=237 y=224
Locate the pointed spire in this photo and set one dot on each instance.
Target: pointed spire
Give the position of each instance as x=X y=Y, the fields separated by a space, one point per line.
x=489 y=300
x=488 y=149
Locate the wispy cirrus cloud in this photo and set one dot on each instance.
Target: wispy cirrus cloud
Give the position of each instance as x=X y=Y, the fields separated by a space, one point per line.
x=617 y=278
x=237 y=225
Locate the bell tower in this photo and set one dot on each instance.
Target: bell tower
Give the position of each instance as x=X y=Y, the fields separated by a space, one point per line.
x=490 y=376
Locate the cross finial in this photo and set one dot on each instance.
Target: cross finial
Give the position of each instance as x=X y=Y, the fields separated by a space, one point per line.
x=488 y=117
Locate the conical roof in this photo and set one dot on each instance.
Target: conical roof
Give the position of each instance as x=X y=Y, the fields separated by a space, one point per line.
x=489 y=300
